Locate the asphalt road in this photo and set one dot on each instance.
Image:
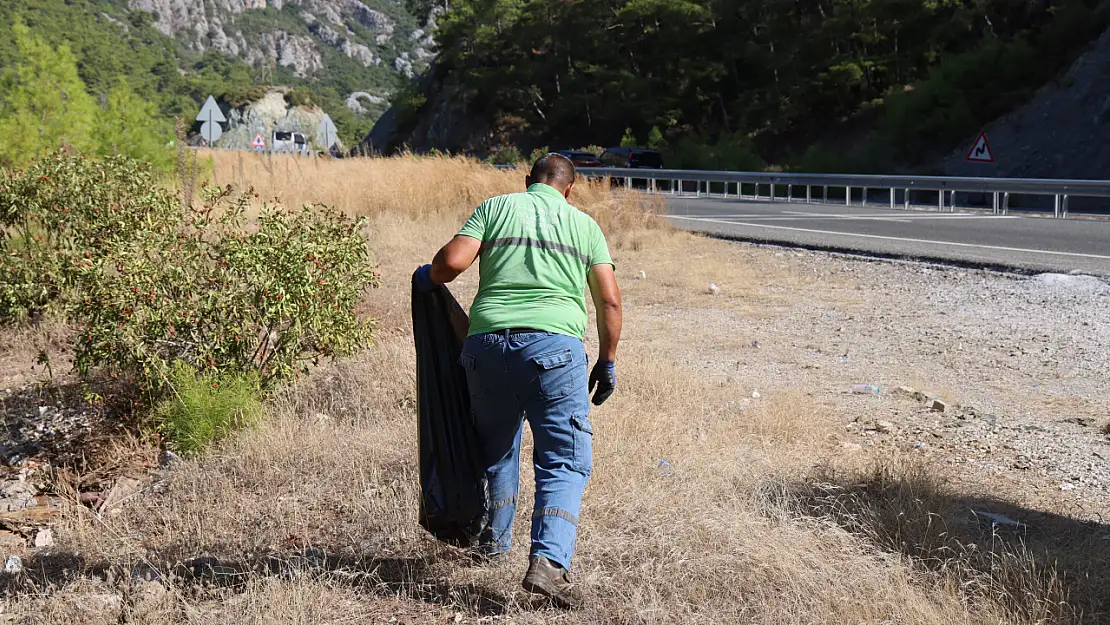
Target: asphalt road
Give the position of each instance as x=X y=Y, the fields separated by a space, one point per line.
x=1008 y=242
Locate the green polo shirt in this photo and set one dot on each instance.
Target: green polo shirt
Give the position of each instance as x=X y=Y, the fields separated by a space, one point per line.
x=536 y=252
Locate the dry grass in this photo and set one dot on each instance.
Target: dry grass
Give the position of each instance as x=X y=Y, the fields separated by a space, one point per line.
x=313 y=513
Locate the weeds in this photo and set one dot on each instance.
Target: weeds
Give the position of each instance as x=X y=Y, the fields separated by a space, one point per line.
x=203 y=408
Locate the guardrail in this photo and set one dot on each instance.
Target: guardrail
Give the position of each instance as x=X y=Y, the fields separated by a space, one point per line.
x=899 y=189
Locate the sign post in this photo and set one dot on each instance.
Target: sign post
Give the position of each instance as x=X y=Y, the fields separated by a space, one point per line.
x=980 y=152
x=212 y=117
x=259 y=143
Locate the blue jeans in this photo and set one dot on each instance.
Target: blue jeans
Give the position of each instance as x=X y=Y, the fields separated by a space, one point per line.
x=542 y=376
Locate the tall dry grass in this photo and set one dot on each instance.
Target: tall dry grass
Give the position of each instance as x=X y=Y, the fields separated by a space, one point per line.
x=311 y=516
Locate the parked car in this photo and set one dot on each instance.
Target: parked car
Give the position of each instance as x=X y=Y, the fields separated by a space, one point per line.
x=632 y=158
x=581 y=159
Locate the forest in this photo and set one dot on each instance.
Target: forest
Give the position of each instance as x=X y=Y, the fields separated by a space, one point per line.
x=816 y=85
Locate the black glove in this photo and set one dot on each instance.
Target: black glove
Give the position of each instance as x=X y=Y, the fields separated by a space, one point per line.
x=604 y=377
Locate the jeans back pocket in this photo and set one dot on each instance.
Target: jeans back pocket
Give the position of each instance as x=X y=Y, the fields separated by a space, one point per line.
x=559 y=375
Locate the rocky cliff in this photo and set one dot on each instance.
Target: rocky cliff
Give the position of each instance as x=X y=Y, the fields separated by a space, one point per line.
x=320 y=40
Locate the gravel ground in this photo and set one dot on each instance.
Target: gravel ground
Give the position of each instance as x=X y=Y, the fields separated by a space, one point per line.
x=1019 y=363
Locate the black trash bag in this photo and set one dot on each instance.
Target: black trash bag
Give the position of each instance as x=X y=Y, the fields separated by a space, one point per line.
x=454 y=501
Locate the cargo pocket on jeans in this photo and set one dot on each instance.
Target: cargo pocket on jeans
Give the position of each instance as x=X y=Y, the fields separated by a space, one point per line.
x=473 y=380
x=558 y=373
x=583 y=461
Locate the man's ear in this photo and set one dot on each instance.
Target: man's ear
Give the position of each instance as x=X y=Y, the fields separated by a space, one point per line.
x=566 y=192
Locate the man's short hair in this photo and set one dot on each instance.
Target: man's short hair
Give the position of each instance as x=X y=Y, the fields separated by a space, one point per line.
x=553 y=169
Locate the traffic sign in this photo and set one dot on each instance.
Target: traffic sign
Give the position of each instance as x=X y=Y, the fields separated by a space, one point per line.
x=981 y=151
x=326 y=134
x=211 y=131
x=259 y=143
x=211 y=112
x=212 y=117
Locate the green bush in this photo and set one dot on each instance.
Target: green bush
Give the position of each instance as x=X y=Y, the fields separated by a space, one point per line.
x=202 y=408
x=733 y=152
x=508 y=155
x=63 y=212
x=148 y=282
x=299 y=96
x=242 y=96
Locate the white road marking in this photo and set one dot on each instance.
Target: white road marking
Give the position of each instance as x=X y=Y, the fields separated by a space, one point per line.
x=900 y=239
x=855 y=216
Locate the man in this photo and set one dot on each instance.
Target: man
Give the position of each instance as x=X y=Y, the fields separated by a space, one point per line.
x=524 y=356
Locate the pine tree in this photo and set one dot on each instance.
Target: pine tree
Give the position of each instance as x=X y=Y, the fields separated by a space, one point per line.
x=46 y=104
x=129 y=125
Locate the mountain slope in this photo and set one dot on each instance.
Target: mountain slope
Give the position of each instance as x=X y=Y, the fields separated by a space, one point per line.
x=913 y=77
x=350 y=55
x=1060 y=133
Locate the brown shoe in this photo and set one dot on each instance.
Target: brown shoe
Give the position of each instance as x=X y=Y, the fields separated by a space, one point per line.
x=546 y=578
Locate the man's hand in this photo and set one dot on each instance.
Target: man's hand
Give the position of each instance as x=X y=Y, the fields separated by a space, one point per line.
x=604 y=377
x=423 y=278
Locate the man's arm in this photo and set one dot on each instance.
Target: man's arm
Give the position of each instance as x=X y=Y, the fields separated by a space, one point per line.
x=454 y=258
x=607 y=302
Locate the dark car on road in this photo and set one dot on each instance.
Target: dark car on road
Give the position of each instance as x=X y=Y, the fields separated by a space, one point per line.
x=632 y=158
x=581 y=159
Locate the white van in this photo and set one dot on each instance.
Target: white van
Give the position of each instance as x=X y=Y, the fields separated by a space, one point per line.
x=289 y=141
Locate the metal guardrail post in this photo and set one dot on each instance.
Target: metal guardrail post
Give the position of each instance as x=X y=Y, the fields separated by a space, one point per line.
x=940 y=200
x=847 y=196
x=653 y=186
x=809 y=197
x=864 y=198
x=1006 y=203
x=1064 y=208
x=627 y=183
x=892 y=198
x=994 y=203
x=789 y=192
x=1056 y=206
x=906 y=199
x=772 y=192
x=825 y=195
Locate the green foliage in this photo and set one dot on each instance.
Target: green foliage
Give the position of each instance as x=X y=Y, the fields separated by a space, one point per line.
x=730 y=152
x=299 y=96
x=129 y=125
x=508 y=155
x=242 y=96
x=789 y=74
x=200 y=408
x=628 y=140
x=149 y=284
x=65 y=213
x=45 y=104
x=655 y=139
